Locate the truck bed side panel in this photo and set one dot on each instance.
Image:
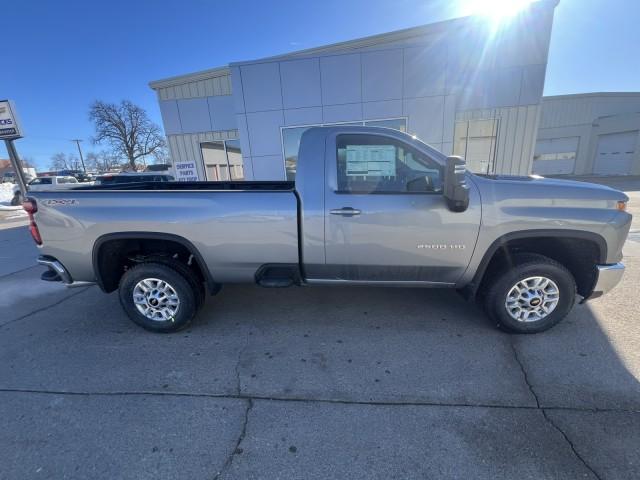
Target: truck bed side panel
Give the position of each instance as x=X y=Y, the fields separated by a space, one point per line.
x=235 y=232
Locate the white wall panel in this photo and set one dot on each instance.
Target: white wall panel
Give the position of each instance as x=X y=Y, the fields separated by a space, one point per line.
x=238 y=93
x=194 y=115
x=268 y=168
x=341 y=79
x=382 y=75
x=222 y=112
x=264 y=132
x=342 y=113
x=303 y=116
x=170 y=116
x=503 y=88
x=261 y=87
x=301 y=83
x=243 y=135
x=424 y=71
x=425 y=117
x=532 y=84
x=385 y=109
x=449 y=120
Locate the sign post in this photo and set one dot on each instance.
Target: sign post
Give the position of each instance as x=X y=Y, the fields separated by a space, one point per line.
x=10 y=131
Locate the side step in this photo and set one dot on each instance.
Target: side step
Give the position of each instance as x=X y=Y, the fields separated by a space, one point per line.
x=277 y=275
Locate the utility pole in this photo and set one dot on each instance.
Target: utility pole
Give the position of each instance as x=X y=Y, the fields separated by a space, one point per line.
x=77 y=140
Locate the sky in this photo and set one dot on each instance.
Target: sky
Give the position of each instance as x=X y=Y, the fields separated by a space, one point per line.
x=60 y=56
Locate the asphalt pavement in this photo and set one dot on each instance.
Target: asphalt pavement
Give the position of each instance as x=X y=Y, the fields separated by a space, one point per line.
x=313 y=383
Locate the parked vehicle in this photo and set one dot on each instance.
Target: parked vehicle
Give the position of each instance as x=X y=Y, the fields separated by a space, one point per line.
x=44 y=183
x=58 y=182
x=370 y=206
x=159 y=167
x=121 y=178
x=79 y=175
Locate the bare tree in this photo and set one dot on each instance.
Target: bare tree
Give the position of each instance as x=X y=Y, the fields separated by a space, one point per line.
x=74 y=162
x=59 y=161
x=91 y=161
x=127 y=129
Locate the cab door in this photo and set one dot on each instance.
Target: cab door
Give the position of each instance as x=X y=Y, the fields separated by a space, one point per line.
x=385 y=216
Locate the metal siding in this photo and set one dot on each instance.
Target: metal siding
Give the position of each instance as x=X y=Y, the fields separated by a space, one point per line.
x=208 y=87
x=528 y=143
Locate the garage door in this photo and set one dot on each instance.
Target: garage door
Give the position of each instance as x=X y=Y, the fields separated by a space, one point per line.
x=614 y=155
x=555 y=156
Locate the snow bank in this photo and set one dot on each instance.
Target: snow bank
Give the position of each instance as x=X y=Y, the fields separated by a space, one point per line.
x=6 y=193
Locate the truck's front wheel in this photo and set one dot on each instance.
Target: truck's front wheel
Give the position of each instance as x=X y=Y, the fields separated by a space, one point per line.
x=158 y=298
x=531 y=295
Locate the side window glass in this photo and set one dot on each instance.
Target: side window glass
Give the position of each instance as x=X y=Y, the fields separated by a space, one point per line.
x=378 y=164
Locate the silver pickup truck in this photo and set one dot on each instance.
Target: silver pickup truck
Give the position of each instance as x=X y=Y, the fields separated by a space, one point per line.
x=369 y=206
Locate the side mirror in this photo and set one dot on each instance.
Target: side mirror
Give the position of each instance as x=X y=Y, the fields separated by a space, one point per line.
x=456 y=190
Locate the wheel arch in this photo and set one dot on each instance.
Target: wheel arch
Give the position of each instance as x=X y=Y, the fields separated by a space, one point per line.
x=546 y=238
x=98 y=251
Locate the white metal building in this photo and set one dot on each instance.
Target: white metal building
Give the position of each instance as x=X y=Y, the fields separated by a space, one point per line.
x=589 y=134
x=461 y=85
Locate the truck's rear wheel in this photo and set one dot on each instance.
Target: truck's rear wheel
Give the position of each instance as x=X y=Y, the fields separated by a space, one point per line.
x=530 y=296
x=158 y=297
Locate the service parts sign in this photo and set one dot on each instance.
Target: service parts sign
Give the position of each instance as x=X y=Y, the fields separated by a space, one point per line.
x=186 y=172
x=9 y=125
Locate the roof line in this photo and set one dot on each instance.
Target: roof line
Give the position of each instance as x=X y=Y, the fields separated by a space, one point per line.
x=190 y=77
x=590 y=94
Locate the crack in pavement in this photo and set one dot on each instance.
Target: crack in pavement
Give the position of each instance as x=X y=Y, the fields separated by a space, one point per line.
x=546 y=417
x=236 y=450
x=243 y=431
x=18 y=271
x=42 y=309
x=331 y=401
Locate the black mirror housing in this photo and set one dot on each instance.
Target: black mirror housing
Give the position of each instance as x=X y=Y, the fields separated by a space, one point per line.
x=456 y=190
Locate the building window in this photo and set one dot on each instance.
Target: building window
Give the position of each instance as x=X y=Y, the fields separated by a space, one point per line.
x=222 y=160
x=476 y=142
x=291 y=138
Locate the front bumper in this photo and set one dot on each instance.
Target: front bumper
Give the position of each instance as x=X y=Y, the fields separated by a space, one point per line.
x=607 y=277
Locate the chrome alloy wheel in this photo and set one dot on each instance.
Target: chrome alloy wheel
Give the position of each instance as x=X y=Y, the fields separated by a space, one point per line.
x=532 y=299
x=156 y=299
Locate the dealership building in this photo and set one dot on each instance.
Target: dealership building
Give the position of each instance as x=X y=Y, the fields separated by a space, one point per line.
x=464 y=86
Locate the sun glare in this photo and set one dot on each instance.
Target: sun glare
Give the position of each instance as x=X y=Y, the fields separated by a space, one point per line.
x=496 y=10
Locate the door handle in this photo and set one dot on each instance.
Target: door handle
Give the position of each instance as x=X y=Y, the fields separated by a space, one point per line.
x=345 y=211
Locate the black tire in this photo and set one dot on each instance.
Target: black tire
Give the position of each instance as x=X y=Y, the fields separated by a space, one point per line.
x=498 y=285
x=187 y=294
x=183 y=270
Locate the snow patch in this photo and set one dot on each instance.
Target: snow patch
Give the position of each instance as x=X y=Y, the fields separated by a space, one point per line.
x=6 y=193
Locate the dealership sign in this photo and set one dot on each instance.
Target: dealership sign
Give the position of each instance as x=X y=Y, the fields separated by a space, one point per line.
x=186 y=172
x=9 y=125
